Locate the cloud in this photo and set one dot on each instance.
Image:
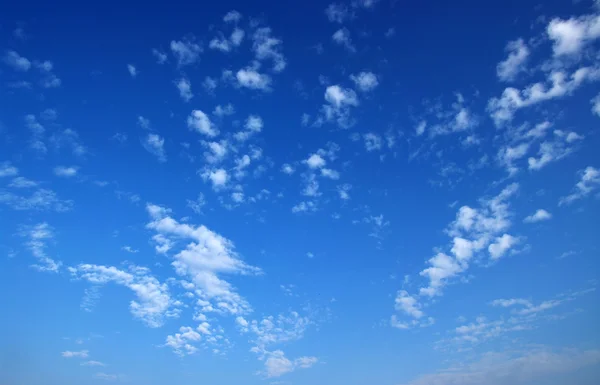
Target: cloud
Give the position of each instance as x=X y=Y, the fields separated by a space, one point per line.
x=518 y=53
x=186 y=52
x=218 y=177
x=365 y=81
x=65 y=172
x=503 y=108
x=7 y=169
x=287 y=169
x=152 y=302
x=502 y=245
x=181 y=342
x=38 y=235
x=596 y=105
x=315 y=161
x=572 y=35
x=373 y=141
x=16 y=61
x=132 y=70
x=154 y=144
x=338 y=13
x=130 y=249
x=342 y=37
x=197 y=205
x=329 y=173
x=41 y=199
x=79 y=354
x=339 y=100
x=92 y=363
x=232 y=17
x=22 y=182
x=538 y=216
x=250 y=78
x=277 y=364
x=303 y=207
x=200 y=122
x=161 y=57
x=206 y=258
x=408 y=305
x=37 y=134
x=344 y=191
x=225 y=110
x=266 y=47
x=590 y=180
x=217 y=151
x=185 y=89
x=254 y=124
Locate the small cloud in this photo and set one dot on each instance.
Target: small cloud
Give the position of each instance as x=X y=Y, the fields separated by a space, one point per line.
x=129 y=249
x=65 y=172
x=132 y=70
x=79 y=354
x=538 y=216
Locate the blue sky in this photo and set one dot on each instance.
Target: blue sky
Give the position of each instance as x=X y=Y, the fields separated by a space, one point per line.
x=374 y=191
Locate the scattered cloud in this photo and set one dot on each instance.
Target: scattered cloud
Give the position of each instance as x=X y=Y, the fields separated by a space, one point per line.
x=155 y=144
x=132 y=70
x=342 y=37
x=518 y=53
x=200 y=122
x=79 y=354
x=185 y=89
x=65 y=172
x=186 y=52
x=538 y=216
x=365 y=81
x=590 y=180
x=16 y=61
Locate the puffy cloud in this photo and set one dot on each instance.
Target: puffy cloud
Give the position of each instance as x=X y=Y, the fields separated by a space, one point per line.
x=232 y=17
x=538 y=216
x=365 y=81
x=503 y=108
x=338 y=13
x=420 y=128
x=217 y=151
x=250 y=78
x=552 y=151
x=7 y=169
x=372 y=141
x=287 y=169
x=203 y=260
x=315 y=161
x=161 y=57
x=185 y=89
x=339 y=102
x=42 y=200
x=209 y=84
x=572 y=35
x=344 y=191
x=65 y=172
x=21 y=182
x=276 y=363
x=152 y=298
x=186 y=52
x=507 y=156
x=342 y=37
x=181 y=342
x=590 y=180
x=518 y=53
x=305 y=206
x=408 y=304
x=329 y=173
x=218 y=177
x=596 y=105
x=16 y=61
x=266 y=47
x=225 y=110
x=79 y=354
x=200 y=122
x=502 y=245
x=132 y=70
x=155 y=145
x=254 y=124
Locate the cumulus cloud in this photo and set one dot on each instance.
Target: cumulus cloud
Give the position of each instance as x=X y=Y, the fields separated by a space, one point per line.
x=16 y=61
x=590 y=180
x=78 y=354
x=185 y=89
x=252 y=79
x=338 y=13
x=518 y=53
x=224 y=110
x=373 y=141
x=200 y=122
x=570 y=36
x=339 y=100
x=155 y=144
x=65 y=172
x=186 y=52
x=7 y=169
x=132 y=70
x=152 y=302
x=218 y=177
x=501 y=245
x=365 y=81
x=538 y=216
x=342 y=37
x=267 y=47
x=315 y=161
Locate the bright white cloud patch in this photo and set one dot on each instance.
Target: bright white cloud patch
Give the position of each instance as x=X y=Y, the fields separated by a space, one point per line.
x=365 y=81
x=200 y=122
x=185 y=89
x=342 y=37
x=77 y=354
x=155 y=144
x=590 y=181
x=218 y=177
x=315 y=161
x=186 y=52
x=250 y=78
x=538 y=216
x=572 y=35
x=65 y=172
x=518 y=53
x=339 y=100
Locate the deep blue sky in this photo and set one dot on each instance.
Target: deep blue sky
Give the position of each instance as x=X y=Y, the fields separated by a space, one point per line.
x=361 y=192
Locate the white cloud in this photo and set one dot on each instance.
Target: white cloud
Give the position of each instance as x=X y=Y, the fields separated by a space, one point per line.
x=130 y=249
x=153 y=300
x=186 y=52
x=373 y=141
x=232 y=17
x=518 y=53
x=7 y=169
x=204 y=259
x=218 y=177
x=315 y=161
x=154 y=144
x=596 y=105
x=200 y=122
x=217 y=151
x=181 y=342
x=408 y=304
x=561 y=84
x=515 y=367
x=329 y=173
x=132 y=70
x=237 y=36
x=590 y=180
x=254 y=124
x=220 y=43
x=266 y=47
x=38 y=236
x=365 y=81
x=339 y=102
x=502 y=245
x=185 y=89
x=161 y=57
x=572 y=35
x=305 y=206
x=250 y=78
x=277 y=364
x=342 y=37
x=65 y=172
x=16 y=61
x=338 y=13
x=209 y=84
x=552 y=151
x=237 y=196
x=538 y=216
x=21 y=182
x=42 y=199
x=344 y=191
x=79 y=354
x=197 y=204
x=225 y=110
x=92 y=363
x=287 y=169
x=420 y=128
